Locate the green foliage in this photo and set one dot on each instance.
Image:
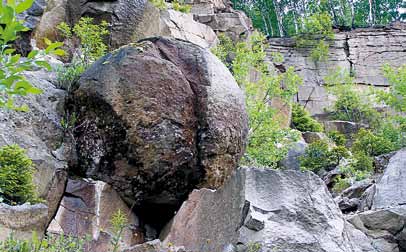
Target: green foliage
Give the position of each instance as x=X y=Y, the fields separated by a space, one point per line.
x=396 y=97
x=338 y=138
x=319 y=155
x=340 y=184
x=180 y=6
x=268 y=142
x=351 y=104
x=68 y=75
x=283 y=17
x=315 y=32
x=12 y=81
x=302 y=121
x=91 y=37
x=160 y=4
x=16 y=172
x=254 y=247
x=118 y=222
x=51 y=243
x=371 y=144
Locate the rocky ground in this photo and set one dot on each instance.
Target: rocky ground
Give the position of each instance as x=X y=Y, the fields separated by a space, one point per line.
x=165 y=147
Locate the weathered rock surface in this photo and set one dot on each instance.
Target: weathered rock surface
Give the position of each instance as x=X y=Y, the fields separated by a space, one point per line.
x=54 y=14
x=311 y=137
x=22 y=220
x=156 y=117
x=280 y=210
x=362 y=51
x=87 y=209
x=209 y=219
x=391 y=188
x=292 y=160
x=131 y=21
x=385 y=227
x=235 y=24
x=39 y=132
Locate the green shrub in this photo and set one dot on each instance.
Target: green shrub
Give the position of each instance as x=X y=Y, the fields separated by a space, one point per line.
x=12 y=81
x=160 y=4
x=316 y=31
x=268 y=142
x=396 y=97
x=16 y=174
x=91 y=38
x=118 y=222
x=340 y=184
x=351 y=104
x=318 y=156
x=371 y=144
x=68 y=75
x=337 y=137
x=302 y=121
x=51 y=243
x=180 y=6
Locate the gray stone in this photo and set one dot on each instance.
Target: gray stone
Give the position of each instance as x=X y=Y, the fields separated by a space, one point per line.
x=152 y=135
x=292 y=161
x=382 y=161
x=311 y=137
x=391 y=188
x=39 y=132
x=21 y=221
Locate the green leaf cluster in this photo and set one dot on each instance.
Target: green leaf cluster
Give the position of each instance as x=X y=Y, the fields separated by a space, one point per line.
x=12 y=65
x=302 y=121
x=91 y=37
x=51 y=243
x=181 y=6
x=160 y=4
x=268 y=141
x=319 y=155
x=16 y=176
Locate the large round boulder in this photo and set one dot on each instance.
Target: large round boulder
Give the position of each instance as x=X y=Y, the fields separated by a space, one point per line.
x=157 y=118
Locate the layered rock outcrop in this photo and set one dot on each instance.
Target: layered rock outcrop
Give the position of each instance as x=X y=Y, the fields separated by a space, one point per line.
x=152 y=136
x=361 y=52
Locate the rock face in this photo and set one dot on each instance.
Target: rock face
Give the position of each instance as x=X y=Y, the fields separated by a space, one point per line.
x=134 y=20
x=208 y=220
x=362 y=51
x=278 y=210
x=391 y=188
x=87 y=208
x=154 y=136
x=22 y=220
x=39 y=132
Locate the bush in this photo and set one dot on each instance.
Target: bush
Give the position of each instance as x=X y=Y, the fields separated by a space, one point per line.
x=302 y=121
x=371 y=144
x=268 y=142
x=69 y=74
x=180 y=6
x=16 y=172
x=51 y=243
x=317 y=29
x=90 y=35
x=351 y=104
x=12 y=81
x=319 y=156
x=160 y=4
x=340 y=184
x=396 y=97
x=337 y=137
